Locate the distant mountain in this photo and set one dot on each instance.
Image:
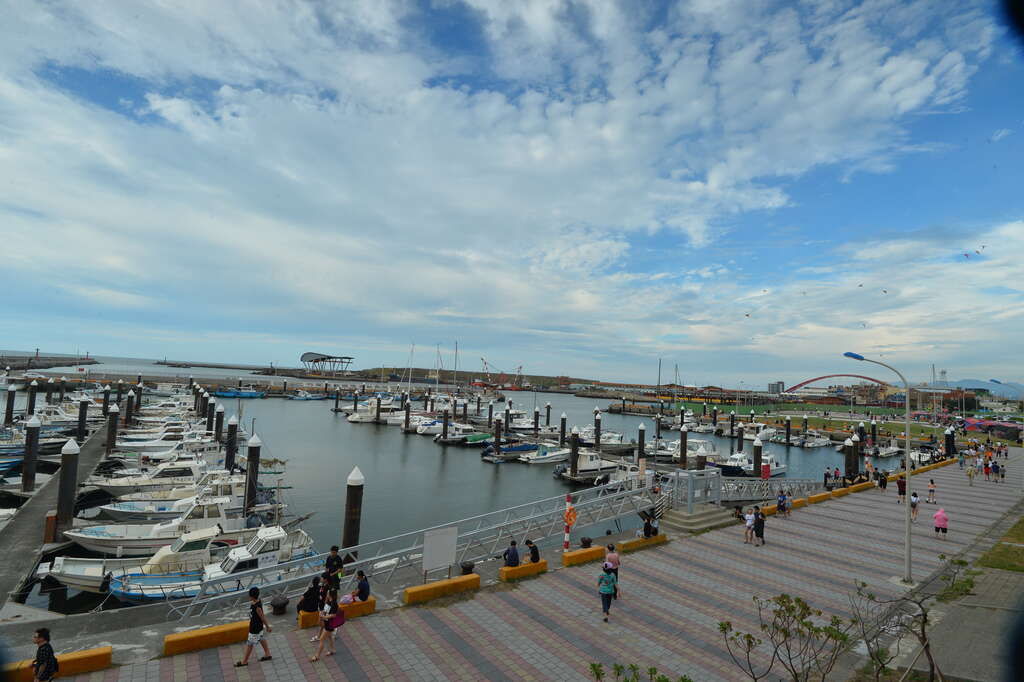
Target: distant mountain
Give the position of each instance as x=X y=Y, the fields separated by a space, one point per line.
x=1007 y=389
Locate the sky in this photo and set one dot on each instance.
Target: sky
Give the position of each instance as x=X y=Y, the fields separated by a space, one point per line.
x=741 y=189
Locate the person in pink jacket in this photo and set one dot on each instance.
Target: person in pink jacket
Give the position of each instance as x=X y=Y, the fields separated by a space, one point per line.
x=941 y=523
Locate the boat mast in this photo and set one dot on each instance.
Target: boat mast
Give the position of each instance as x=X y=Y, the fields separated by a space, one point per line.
x=455 y=379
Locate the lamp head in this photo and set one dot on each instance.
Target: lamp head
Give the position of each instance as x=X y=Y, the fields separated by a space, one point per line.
x=853 y=356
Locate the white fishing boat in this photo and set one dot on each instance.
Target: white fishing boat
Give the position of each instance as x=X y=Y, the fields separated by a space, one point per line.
x=272 y=546
x=456 y=430
x=587 y=434
x=545 y=454
x=145 y=539
x=745 y=461
x=166 y=475
x=704 y=428
x=164 y=442
x=150 y=510
x=429 y=428
x=217 y=482
x=191 y=552
x=589 y=466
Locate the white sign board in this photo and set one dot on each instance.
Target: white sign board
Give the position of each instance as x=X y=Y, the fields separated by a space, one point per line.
x=439 y=548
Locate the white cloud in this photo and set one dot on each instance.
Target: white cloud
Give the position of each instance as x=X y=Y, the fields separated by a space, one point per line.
x=1000 y=134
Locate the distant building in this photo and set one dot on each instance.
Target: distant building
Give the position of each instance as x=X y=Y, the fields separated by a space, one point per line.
x=776 y=387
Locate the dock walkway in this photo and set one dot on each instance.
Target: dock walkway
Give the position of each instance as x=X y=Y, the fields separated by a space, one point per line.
x=672 y=600
x=22 y=537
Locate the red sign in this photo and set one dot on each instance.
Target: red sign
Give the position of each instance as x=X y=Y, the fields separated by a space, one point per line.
x=766 y=471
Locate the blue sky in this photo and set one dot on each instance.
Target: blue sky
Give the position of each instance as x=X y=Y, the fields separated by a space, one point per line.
x=745 y=189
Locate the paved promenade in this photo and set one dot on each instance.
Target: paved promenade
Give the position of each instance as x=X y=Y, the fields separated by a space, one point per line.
x=672 y=600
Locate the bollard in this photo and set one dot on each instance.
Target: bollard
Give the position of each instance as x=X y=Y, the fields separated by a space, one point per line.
x=478 y=404
x=218 y=424
x=408 y=407
x=702 y=462
x=129 y=409
x=106 y=400
x=574 y=452
x=120 y=392
x=789 y=430
x=376 y=414
x=508 y=417
x=640 y=434
x=682 y=415
x=683 y=452
x=211 y=414
x=547 y=415
x=49 y=391
x=561 y=431
x=9 y=408
x=83 y=413
x=431 y=408
x=355 y=401
x=139 y=388
x=465 y=410
x=758 y=448
x=623 y=404
x=32 y=388
x=714 y=416
x=874 y=432
x=231 y=446
x=497 y=437
x=850 y=457
x=950 y=444
x=704 y=411
x=862 y=432
x=63 y=388
x=490 y=414
x=112 y=419
x=28 y=465
x=597 y=429
x=657 y=428
x=536 y=421
x=444 y=424
x=732 y=423
x=196 y=393
x=739 y=439
x=803 y=430
x=252 y=472
x=353 y=512
x=191 y=381
x=284 y=387
x=337 y=399
x=68 y=486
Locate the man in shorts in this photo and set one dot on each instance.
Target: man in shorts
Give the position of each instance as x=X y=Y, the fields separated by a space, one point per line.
x=258 y=629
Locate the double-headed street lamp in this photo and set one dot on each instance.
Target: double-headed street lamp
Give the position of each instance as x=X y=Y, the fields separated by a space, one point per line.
x=907 y=577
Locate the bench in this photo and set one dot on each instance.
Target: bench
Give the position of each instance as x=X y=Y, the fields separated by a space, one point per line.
x=418 y=594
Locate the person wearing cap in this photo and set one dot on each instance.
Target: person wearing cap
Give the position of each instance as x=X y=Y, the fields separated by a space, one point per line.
x=606 y=585
x=534 y=552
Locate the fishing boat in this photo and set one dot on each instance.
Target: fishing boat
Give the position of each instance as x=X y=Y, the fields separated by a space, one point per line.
x=273 y=545
x=191 y=552
x=589 y=466
x=588 y=433
x=164 y=442
x=306 y=395
x=704 y=428
x=146 y=539
x=545 y=454
x=244 y=393
x=152 y=510
x=742 y=464
x=456 y=432
x=166 y=475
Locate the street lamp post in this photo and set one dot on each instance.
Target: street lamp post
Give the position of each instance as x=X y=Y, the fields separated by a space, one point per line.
x=907 y=576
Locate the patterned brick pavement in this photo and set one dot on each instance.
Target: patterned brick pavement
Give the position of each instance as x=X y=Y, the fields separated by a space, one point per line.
x=672 y=599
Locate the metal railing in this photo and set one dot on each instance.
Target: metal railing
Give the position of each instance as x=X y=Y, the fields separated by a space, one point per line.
x=399 y=558
x=737 y=489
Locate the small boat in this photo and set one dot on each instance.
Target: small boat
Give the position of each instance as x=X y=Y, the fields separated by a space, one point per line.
x=306 y=395
x=589 y=466
x=704 y=428
x=607 y=437
x=742 y=464
x=191 y=552
x=271 y=546
x=164 y=442
x=456 y=432
x=153 y=510
x=545 y=454
x=244 y=393
x=166 y=475
x=146 y=539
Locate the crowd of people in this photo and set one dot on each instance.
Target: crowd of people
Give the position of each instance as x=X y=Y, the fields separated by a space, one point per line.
x=983 y=460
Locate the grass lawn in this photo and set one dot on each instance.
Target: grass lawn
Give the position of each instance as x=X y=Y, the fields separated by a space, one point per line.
x=1015 y=534
x=1004 y=556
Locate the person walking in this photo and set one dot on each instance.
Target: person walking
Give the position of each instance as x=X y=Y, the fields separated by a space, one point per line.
x=759 y=519
x=511 y=555
x=789 y=503
x=780 y=503
x=960 y=459
x=331 y=618
x=827 y=477
x=258 y=629
x=913 y=505
x=931 y=491
x=970 y=476
x=836 y=476
x=901 y=489
x=748 y=530
x=611 y=557
x=44 y=666
x=995 y=471
x=883 y=481
x=941 y=523
x=606 y=584
x=1002 y=474
x=988 y=471
x=534 y=552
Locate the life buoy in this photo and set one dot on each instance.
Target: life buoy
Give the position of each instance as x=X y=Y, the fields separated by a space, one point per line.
x=570 y=516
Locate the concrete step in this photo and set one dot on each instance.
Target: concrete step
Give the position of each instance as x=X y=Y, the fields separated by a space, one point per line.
x=705 y=517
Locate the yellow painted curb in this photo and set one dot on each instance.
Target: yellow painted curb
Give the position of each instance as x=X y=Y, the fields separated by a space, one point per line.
x=417 y=594
x=507 y=573
x=799 y=502
x=867 y=485
x=820 y=497
x=641 y=543
x=840 y=492
x=308 y=619
x=74 y=663
x=582 y=556
x=206 y=638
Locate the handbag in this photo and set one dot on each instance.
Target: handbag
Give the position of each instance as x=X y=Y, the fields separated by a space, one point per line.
x=337 y=620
